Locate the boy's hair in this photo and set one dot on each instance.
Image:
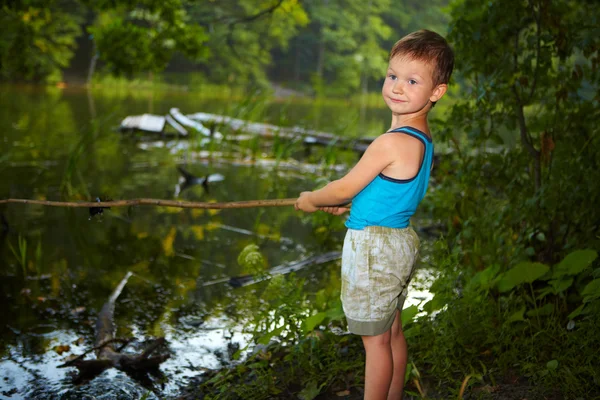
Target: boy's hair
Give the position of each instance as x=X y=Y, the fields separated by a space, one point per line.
x=429 y=47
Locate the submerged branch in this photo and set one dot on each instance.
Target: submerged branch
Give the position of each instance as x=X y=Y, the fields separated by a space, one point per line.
x=106 y=355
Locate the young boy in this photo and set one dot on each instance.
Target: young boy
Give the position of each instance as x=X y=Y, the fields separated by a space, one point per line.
x=385 y=187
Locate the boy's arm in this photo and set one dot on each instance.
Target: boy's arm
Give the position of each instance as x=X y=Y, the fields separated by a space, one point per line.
x=376 y=158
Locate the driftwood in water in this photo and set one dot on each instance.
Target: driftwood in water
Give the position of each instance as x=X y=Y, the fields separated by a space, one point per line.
x=145 y=122
x=179 y=122
x=196 y=125
x=107 y=355
x=176 y=125
x=246 y=280
x=309 y=136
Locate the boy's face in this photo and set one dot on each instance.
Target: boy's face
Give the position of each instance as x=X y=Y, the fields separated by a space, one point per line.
x=408 y=87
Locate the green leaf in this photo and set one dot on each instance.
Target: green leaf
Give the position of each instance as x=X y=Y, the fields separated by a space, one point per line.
x=311 y=322
x=576 y=312
x=518 y=316
x=547 y=309
x=408 y=372
x=408 y=314
x=591 y=291
x=525 y=272
x=310 y=391
x=552 y=365
x=486 y=278
x=434 y=304
x=251 y=259
x=543 y=292
x=267 y=338
x=560 y=285
x=336 y=313
x=575 y=262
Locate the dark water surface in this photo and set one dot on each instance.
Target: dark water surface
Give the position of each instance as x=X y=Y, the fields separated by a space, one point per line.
x=58 y=265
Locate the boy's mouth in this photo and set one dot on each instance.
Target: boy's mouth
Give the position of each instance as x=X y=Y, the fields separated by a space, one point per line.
x=397 y=100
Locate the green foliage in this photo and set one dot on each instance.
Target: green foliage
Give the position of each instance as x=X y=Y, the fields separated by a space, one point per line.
x=242 y=35
x=239 y=42
x=251 y=260
x=525 y=272
x=144 y=36
x=345 y=48
x=514 y=282
x=20 y=253
x=38 y=39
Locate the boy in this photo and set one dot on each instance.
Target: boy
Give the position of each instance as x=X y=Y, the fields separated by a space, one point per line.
x=385 y=187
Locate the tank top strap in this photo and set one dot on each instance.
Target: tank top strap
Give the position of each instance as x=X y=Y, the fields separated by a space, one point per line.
x=413 y=132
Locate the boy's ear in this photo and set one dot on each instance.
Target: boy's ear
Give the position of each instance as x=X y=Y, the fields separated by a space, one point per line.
x=438 y=92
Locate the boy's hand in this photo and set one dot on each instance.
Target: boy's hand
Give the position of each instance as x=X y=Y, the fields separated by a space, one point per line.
x=334 y=210
x=303 y=203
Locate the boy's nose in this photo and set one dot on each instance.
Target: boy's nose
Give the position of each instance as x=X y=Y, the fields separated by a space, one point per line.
x=397 y=88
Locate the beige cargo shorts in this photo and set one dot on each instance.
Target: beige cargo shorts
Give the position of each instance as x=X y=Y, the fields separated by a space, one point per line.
x=377 y=265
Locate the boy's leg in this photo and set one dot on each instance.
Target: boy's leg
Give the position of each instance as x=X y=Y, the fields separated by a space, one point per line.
x=399 y=356
x=378 y=366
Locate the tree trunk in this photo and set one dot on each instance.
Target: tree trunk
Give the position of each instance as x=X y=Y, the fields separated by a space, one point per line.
x=93 y=62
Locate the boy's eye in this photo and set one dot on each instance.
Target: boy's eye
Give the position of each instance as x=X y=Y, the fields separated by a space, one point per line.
x=412 y=81
x=392 y=77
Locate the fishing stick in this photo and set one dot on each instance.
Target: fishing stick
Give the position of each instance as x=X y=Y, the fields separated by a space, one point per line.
x=157 y=202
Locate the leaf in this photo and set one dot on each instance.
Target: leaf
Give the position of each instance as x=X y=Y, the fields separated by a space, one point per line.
x=267 y=338
x=517 y=316
x=575 y=262
x=168 y=242
x=61 y=348
x=547 y=309
x=576 y=312
x=591 y=291
x=336 y=313
x=310 y=391
x=251 y=259
x=408 y=314
x=198 y=231
x=552 y=365
x=486 y=278
x=434 y=304
x=560 y=285
x=309 y=324
x=545 y=291
x=525 y=272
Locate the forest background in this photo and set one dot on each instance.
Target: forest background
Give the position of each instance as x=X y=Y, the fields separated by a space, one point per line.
x=333 y=45
x=518 y=301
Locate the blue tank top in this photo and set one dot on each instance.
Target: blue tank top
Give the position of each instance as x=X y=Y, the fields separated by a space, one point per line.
x=391 y=202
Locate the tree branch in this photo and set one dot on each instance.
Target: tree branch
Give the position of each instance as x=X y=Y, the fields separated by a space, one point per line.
x=538 y=52
x=157 y=202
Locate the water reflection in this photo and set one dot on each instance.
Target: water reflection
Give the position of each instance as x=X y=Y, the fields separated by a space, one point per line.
x=58 y=266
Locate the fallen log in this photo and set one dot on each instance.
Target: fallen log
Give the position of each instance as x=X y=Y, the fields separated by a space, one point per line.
x=186 y=121
x=246 y=280
x=107 y=356
x=310 y=136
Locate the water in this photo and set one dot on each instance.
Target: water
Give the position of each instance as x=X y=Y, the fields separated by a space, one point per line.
x=59 y=265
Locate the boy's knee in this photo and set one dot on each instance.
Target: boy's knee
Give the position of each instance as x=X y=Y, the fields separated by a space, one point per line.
x=377 y=341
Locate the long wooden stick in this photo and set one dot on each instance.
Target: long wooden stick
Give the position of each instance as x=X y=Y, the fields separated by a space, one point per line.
x=157 y=202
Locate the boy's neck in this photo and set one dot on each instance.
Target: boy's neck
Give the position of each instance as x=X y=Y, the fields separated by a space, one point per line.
x=415 y=121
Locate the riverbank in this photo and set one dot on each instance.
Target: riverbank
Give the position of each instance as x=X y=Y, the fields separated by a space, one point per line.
x=506 y=321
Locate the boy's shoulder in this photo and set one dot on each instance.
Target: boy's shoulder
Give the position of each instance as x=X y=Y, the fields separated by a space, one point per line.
x=395 y=146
